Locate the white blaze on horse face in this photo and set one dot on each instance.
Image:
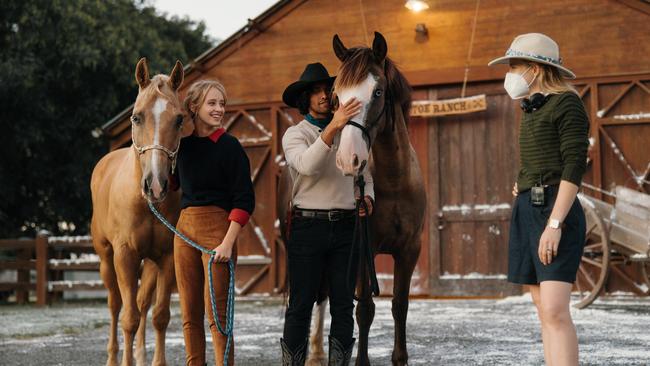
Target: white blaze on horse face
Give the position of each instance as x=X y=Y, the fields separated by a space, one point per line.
x=159 y=107
x=363 y=93
x=353 y=150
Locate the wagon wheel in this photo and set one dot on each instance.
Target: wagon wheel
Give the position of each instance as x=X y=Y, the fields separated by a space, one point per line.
x=594 y=266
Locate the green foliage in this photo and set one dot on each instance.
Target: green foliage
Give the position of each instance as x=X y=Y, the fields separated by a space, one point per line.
x=66 y=67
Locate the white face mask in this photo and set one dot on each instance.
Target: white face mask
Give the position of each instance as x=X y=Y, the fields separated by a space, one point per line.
x=516 y=86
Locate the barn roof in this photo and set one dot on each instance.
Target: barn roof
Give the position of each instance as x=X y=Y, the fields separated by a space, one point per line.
x=256 y=27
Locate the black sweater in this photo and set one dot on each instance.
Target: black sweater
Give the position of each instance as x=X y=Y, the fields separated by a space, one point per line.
x=215 y=171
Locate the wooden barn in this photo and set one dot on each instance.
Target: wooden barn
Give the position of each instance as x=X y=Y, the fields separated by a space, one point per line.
x=469 y=160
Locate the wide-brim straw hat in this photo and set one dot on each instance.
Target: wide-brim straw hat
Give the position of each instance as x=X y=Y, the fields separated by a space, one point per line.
x=314 y=73
x=535 y=47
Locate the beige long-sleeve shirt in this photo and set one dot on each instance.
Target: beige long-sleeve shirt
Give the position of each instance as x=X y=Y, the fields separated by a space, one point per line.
x=317 y=182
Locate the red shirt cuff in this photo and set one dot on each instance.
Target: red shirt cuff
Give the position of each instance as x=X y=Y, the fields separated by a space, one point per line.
x=239 y=216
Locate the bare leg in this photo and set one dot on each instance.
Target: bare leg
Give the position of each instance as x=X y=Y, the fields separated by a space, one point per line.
x=317 y=355
x=127 y=264
x=562 y=341
x=534 y=292
x=161 y=313
x=145 y=294
x=404 y=266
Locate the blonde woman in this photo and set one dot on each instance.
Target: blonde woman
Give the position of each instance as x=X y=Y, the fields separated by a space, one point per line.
x=548 y=226
x=217 y=201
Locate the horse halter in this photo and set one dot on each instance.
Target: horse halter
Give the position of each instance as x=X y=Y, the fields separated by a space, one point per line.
x=171 y=155
x=364 y=130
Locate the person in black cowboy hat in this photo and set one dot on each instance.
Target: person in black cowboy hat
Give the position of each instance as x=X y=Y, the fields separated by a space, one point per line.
x=322 y=224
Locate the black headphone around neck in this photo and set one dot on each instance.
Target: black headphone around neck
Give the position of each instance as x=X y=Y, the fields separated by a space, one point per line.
x=535 y=102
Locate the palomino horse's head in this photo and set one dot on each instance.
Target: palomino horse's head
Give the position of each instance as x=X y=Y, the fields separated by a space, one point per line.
x=371 y=77
x=156 y=127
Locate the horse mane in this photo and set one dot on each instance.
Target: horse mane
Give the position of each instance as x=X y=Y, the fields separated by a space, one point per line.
x=399 y=87
x=361 y=61
x=159 y=85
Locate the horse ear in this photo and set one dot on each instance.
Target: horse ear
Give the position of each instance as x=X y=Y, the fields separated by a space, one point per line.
x=142 y=73
x=176 y=76
x=339 y=49
x=379 y=47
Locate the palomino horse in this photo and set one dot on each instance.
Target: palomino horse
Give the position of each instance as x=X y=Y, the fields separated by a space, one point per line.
x=124 y=231
x=397 y=222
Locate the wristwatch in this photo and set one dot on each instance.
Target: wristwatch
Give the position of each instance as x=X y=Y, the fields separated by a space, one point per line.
x=554 y=224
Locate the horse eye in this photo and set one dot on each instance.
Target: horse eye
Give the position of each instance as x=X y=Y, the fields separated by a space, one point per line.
x=135 y=119
x=179 y=120
x=378 y=92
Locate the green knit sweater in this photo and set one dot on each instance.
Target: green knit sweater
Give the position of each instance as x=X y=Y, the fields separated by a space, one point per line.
x=553 y=142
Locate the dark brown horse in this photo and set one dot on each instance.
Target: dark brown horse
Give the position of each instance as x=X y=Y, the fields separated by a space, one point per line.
x=399 y=189
x=378 y=140
x=125 y=233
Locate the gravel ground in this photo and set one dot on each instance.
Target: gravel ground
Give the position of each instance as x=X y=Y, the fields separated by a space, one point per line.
x=613 y=331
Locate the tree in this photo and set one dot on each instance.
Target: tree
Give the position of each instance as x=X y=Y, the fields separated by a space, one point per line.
x=66 y=67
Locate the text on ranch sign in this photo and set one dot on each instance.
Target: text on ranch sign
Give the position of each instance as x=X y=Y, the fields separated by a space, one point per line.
x=428 y=108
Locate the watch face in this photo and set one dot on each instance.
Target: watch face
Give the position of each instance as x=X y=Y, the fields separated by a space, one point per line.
x=555 y=224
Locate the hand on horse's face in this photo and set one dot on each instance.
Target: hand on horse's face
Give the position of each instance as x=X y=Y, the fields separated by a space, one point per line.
x=345 y=112
x=340 y=119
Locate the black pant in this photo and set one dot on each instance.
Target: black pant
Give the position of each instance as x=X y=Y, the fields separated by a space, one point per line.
x=320 y=249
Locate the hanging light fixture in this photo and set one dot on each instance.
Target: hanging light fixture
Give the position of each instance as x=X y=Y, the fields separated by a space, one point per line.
x=416 y=5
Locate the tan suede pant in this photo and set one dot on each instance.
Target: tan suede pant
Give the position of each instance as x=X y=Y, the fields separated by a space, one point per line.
x=207 y=226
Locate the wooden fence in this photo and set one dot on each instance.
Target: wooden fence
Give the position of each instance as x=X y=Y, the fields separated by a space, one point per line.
x=50 y=257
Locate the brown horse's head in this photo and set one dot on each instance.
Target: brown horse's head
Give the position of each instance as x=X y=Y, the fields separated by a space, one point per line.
x=157 y=126
x=371 y=77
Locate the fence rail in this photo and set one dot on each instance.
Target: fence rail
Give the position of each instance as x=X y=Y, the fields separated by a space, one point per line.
x=49 y=257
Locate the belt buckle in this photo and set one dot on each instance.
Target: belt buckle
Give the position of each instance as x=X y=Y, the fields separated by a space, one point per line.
x=333 y=215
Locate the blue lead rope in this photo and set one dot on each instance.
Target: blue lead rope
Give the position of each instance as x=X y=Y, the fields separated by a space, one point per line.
x=230 y=306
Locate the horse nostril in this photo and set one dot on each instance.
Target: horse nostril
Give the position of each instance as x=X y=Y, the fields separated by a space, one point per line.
x=146 y=186
x=164 y=186
x=355 y=161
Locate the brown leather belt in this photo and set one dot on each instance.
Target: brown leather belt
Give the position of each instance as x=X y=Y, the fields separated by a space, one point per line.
x=330 y=215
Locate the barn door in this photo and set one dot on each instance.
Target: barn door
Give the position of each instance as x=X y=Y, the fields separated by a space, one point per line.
x=619 y=111
x=253 y=127
x=261 y=266
x=474 y=160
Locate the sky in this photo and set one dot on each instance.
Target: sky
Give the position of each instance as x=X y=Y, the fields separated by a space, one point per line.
x=222 y=17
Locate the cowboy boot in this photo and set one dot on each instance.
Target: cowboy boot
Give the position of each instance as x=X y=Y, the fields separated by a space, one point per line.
x=296 y=358
x=339 y=355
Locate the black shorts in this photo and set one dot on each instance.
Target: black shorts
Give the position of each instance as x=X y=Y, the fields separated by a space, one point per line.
x=526 y=227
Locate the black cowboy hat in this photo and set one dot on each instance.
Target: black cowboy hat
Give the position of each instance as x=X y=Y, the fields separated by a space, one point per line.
x=314 y=73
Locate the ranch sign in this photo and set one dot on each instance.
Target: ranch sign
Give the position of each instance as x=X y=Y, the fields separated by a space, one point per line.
x=429 y=108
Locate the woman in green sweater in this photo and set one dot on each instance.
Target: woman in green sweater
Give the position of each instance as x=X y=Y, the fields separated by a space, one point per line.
x=548 y=225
